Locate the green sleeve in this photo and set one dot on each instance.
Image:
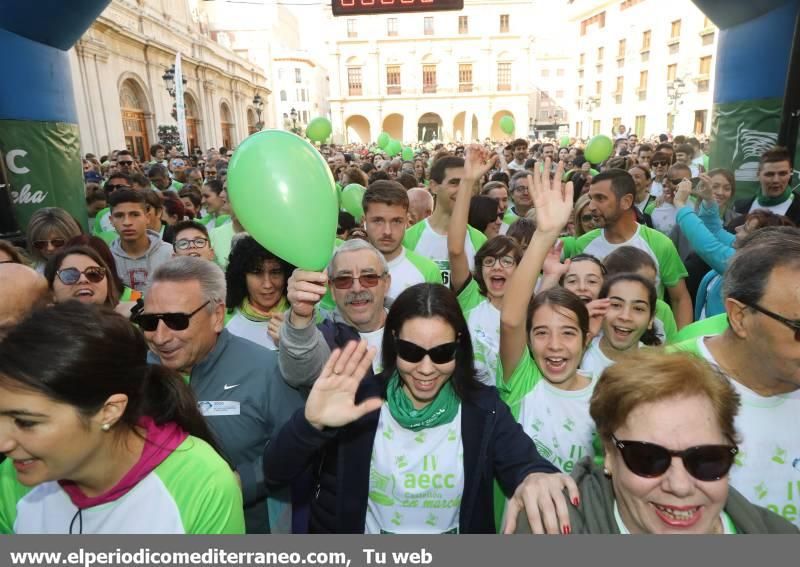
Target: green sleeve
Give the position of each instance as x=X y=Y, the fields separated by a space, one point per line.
x=108 y=236
x=470 y=297
x=98 y=226
x=576 y=245
x=413 y=234
x=524 y=379
x=477 y=238
x=648 y=210
x=430 y=271
x=691 y=346
x=11 y=492
x=205 y=220
x=510 y=218
x=715 y=325
x=667 y=318
x=670 y=267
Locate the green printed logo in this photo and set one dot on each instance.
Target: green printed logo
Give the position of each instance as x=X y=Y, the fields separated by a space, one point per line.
x=779 y=456
x=381 y=486
x=761 y=490
x=397 y=519
x=401 y=462
x=568 y=424
x=537 y=424
x=432 y=519
x=543 y=449
x=389 y=432
x=451 y=435
x=738 y=460
x=420 y=437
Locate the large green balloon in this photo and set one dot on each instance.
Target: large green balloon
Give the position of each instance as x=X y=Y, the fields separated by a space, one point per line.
x=352 y=196
x=507 y=124
x=319 y=129
x=283 y=194
x=408 y=154
x=598 y=149
x=564 y=141
x=393 y=148
x=383 y=140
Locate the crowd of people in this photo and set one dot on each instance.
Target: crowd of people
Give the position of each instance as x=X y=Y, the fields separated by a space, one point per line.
x=508 y=338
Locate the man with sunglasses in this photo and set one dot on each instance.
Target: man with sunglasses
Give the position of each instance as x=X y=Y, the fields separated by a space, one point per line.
x=125 y=162
x=659 y=164
x=237 y=383
x=760 y=354
x=359 y=281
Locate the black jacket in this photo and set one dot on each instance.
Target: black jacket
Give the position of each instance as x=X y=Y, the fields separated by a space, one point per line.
x=742 y=206
x=495 y=446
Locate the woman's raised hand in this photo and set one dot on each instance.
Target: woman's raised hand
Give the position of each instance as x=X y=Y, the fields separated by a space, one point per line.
x=552 y=202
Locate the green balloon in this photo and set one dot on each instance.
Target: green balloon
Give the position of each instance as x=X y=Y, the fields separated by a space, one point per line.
x=393 y=148
x=408 y=154
x=319 y=129
x=277 y=181
x=352 y=197
x=565 y=141
x=383 y=140
x=507 y=124
x=598 y=149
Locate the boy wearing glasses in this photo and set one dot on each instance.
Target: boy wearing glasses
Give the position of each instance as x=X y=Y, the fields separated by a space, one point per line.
x=191 y=239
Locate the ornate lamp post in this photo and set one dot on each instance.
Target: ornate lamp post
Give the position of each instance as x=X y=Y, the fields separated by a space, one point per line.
x=258 y=104
x=169 y=83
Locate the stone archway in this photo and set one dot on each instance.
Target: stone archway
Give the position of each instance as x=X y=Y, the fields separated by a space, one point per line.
x=393 y=125
x=429 y=127
x=496 y=132
x=358 y=130
x=134 y=106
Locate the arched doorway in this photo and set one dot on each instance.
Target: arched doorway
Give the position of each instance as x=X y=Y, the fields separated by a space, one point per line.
x=497 y=133
x=429 y=127
x=226 y=124
x=133 y=105
x=251 y=122
x=459 y=131
x=358 y=130
x=393 y=125
x=192 y=123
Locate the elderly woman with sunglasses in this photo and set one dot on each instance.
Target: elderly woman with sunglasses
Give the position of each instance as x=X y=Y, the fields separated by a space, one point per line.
x=48 y=230
x=417 y=448
x=666 y=422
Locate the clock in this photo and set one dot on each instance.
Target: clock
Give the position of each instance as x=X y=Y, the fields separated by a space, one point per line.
x=366 y=7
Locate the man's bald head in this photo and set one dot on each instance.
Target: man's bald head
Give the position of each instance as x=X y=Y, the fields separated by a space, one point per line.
x=420 y=205
x=22 y=290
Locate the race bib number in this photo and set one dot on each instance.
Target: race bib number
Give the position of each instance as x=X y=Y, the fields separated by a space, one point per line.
x=209 y=409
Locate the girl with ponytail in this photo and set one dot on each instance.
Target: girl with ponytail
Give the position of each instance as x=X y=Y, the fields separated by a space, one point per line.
x=98 y=441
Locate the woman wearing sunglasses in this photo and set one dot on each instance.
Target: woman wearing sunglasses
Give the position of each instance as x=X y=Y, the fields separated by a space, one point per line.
x=48 y=230
x=256 y=292
x=97 y=440
x=417 y=448
x=79 y=273
x=582 y=220
x=666 y=422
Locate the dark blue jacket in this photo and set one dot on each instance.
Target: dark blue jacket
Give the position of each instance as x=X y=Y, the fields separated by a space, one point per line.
x=495 y=446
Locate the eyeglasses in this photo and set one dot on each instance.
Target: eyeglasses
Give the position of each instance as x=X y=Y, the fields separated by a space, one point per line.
x=71 y=276
x=125 y=163
x=115 y=186
x=411 y=352
x=186 y=243
x=42 y=244
x=675 y=180
x=704 y=462
x=505 y=261
x=793 y=325
x=366 y=280
x=658 y=163
x=175 y=321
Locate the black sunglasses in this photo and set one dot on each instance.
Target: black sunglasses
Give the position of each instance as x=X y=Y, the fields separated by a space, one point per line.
x=175 y=321
x=42 y=244
x=675 y=180
x=125 y=162
x=411 y=352
x=71 y=276
x=793 y=325
x=115 y=186
x=704 y=462
x=658 y=163
x=587 y=218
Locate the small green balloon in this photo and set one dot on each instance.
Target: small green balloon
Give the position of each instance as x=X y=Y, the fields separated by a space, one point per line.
x=408 y=154
x=319 y=129
x=352 y=197
x=598 y=149
x=393 y=148
x=564 y=141
x=277 y=181
x=507 y=124
x=383 y=140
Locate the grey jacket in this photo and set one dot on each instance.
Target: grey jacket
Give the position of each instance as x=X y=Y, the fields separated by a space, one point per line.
x=595 y=515
x=246 y=402
x=136 y=272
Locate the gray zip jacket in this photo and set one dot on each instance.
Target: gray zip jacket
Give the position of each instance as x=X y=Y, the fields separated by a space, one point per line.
x=136 y=272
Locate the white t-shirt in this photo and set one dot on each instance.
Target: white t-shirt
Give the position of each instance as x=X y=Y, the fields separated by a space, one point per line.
x=416 y=479
x=434 y=246
x=767 y=469
x=656 y=189
x=404 y=275
x=664 y=218
x=594 y=360
x=254 y=331
x=484 y=327
x=375 y=339
x=777 y=209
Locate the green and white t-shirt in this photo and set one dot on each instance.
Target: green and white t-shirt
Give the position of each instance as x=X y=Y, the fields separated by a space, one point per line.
x=215 y=221
x=557 y=420
x=193 y=491
x=594 y=359
x=408 y=269
x=670 y=267
x=664 y=323
x=483 y=320
x=767 y=469
x=423 y=240
x=253 y=331
x=102 y=222
x=416 y=479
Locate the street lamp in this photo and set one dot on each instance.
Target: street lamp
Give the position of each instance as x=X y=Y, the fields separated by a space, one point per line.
x=258 y=104
x=675 y=91
x=293 y=114
x=169 y=83
x=590 y=104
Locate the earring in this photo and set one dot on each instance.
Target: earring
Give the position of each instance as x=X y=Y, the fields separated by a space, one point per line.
x=106 y=427
x=606 y=472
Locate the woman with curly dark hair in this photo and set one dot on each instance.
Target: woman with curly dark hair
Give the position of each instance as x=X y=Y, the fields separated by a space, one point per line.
x=256 y=297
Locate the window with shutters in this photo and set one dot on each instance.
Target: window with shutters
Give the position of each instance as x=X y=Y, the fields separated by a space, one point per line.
x=354 y=81
x=393 y=80
x=465 y=77
x=429 y=78
x=504 y=76
x=463 y=25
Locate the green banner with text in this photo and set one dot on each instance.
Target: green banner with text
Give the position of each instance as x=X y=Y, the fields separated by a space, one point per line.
x=43 y=165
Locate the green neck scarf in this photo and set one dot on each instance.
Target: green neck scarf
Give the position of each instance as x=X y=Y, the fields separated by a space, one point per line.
x=251 y=313
x=443 y=409
x=765 y=201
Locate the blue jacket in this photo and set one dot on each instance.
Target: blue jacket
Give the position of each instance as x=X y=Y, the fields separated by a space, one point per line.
x=495 y=446
x=714 y=245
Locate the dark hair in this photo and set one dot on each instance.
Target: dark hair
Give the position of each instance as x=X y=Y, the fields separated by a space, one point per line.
x=157 y=169
x=643 y=168
x=679 y=139
x=385 y=192
x=427 y=300
x=367 y=167
x=99 y=245
x=248 y=256
x=407 y=180
x=586 y=258
x=559 y=297
x=649 y=337
x=54 y=264
x=124 y=152
x=644 y=148
x=379 y=175
x=685 y=149
x=174 y=208
x=140 y=179
x=126 y=196
x=119 y=175
x=665 y=146
x=441 y=165
x=155 y=147
x=192 y=193
x=153 y=199
x=775 y=155
x=482 y=211
x=179 y=227
x=519 y=143
x=11 y=250
x=500 y=176
x=346 y=222
x=522 y=230
x=628 y=259
x=215 y=185
x=65 y=352
x=496 y=247
x=622 y=182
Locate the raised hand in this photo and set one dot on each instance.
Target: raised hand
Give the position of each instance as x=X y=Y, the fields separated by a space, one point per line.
x=682 y=194
x=331 y=402
x=477 y=162
x=274 y=327
x=304 y=290
x=552 y=263
x=597 y=312
x=553 y=204
x=704 y=190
